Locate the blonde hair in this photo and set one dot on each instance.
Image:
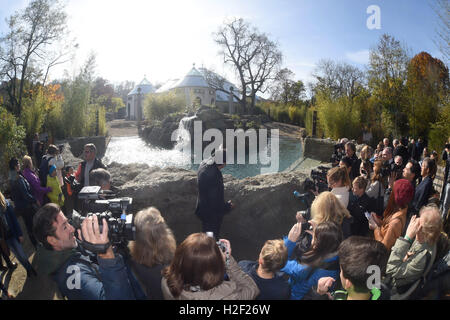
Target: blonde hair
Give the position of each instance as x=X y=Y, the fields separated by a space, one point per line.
x=327 y=207
x=27 y=162
x=366 y=152
x=274 y=255
x=2 y=201
x=155 y=242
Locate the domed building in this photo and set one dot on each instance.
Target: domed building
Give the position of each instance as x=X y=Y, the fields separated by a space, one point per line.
x=195 y=89
x=135 y=99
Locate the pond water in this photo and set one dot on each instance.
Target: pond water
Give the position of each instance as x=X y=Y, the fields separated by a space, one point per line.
x=126 y=150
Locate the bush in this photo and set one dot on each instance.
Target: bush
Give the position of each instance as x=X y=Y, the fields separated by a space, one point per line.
x=11 y=140
x=158 y=106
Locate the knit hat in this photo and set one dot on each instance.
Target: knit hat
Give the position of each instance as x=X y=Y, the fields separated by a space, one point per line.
x=51 y=169
x=403 y=192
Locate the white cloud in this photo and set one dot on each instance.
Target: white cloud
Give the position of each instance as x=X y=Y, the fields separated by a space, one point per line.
x=360 y=57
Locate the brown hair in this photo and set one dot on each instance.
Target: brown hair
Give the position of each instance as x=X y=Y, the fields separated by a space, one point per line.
x=43 y=223
x=155 y=243
x=361 y=182
x=327 y=207
x=274 y=255
x=356 y=254
x=327 y=238
x=337 y=174
x=197 y=262
x=377 y=176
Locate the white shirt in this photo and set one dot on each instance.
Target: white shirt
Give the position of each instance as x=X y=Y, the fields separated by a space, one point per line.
x=87 y=169
x=342 y=193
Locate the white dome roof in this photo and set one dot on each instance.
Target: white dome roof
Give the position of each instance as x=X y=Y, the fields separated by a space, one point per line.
x=146 y=87
x=193 y=79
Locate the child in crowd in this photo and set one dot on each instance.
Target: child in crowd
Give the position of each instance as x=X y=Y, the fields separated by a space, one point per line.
x=362 y=262
x=56 y=195
x=265 y=271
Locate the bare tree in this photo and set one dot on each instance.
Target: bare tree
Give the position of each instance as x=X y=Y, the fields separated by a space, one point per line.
x=339 y=79
x=255 y=57
x=219 y=83
x=31 y=33
x=442 y=10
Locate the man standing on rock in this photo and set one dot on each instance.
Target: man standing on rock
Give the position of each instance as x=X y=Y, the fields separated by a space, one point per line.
x=90 y=163
x=211 y=206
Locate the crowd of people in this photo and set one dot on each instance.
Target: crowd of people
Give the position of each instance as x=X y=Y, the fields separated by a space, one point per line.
x=377 y=233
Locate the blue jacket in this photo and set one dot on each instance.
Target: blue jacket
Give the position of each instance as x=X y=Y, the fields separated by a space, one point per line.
x=298 y=273
x=13 y=225
x=80 y=279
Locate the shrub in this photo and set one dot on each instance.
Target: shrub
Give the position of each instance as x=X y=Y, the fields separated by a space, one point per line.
x=11 y=139
x=158 y=106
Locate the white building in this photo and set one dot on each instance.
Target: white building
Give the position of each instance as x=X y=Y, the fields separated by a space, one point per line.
x=195 y=88
x=134 y=108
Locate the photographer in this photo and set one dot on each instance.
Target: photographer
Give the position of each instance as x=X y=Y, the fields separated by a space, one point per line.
x=320 y=261
x=77 y=276
x=100 y=177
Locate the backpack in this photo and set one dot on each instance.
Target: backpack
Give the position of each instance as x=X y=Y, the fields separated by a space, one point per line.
x=43 y=169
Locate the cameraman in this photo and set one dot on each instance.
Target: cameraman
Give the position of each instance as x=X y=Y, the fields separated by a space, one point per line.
x=350 y=151
x=77 y=276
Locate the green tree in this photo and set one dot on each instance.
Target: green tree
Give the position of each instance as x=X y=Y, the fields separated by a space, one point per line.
x=387 y=77
x=31 y=34
x=158 y=106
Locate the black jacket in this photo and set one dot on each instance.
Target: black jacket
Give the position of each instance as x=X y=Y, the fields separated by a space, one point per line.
x=210 y=200
x=356 y=163
x=402 y=151
x=97 y=164
x=422 y=194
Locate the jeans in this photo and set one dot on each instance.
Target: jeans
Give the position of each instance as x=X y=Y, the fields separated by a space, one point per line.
x=445 y=206
x=17 y=249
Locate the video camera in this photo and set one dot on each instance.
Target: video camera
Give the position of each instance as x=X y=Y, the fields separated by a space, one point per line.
x=339 y=153
x=95 y=200
x=121 y=228
x=318 y=179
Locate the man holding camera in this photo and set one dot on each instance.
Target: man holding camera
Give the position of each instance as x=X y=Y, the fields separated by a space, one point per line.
x=78 y=276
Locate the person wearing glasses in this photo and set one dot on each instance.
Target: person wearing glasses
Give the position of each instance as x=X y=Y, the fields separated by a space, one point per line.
x=91 y=162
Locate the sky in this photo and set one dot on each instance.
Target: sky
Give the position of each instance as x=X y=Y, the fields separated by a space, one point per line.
x=162 y=39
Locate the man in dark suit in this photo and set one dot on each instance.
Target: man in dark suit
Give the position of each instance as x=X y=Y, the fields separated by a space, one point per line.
x=211 y=206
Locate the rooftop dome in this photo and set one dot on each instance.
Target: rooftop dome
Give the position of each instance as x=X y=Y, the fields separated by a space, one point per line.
x=146 y=87
x=193 y=79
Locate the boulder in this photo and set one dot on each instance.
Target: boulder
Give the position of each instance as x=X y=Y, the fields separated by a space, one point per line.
x=318 y=149
x=265 y=207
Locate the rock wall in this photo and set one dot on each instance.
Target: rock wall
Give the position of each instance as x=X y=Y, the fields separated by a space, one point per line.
x=318 y=149
x=265 y=207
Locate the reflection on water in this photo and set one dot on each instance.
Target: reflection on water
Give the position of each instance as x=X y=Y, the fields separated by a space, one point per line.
x=128 y=150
